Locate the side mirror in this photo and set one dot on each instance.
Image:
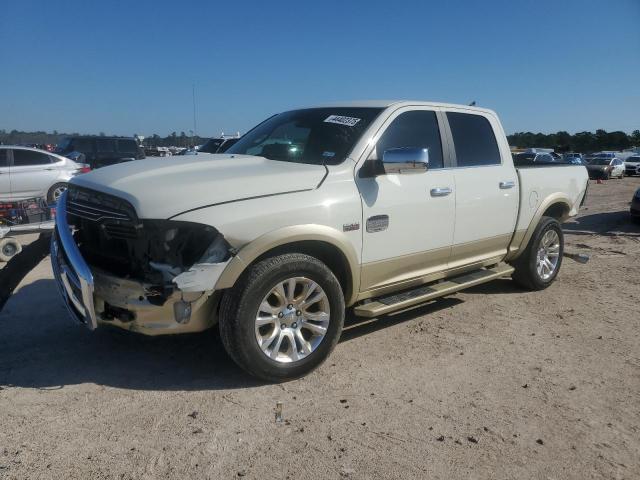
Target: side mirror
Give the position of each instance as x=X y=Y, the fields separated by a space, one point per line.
x=405 y=160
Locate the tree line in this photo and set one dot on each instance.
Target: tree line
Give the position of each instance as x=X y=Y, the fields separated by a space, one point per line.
x=585 y=142
x=16 y=137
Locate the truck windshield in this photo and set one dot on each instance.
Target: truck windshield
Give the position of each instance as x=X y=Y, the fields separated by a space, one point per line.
x=315 y=135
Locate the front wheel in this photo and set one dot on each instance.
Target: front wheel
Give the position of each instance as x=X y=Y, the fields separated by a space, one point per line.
x=283 y=317
x=537 y=267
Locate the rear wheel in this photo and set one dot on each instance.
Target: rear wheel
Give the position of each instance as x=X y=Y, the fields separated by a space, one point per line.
x=9 y=248
x=539 y=264
x=283 y=317
x=55 y=191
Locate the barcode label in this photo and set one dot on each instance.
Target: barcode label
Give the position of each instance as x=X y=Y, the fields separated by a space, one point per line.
x=340 y=120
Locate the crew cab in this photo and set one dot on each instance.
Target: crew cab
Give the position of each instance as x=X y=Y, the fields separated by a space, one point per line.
x=374 y=207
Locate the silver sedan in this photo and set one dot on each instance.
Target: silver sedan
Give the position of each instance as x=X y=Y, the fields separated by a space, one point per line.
x=29 y=173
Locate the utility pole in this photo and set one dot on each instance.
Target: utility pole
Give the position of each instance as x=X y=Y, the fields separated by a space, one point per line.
x=193 y=96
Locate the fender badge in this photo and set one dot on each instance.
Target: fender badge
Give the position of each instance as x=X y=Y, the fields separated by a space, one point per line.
x=350 y=227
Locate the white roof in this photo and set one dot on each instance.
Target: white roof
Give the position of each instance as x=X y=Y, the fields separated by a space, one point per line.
x=399 y=103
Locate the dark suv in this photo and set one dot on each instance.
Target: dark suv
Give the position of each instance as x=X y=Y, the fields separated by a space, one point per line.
x=100 y=151
x=218 y=145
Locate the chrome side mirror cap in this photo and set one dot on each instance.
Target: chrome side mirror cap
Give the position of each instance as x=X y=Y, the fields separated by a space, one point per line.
x=405 y=160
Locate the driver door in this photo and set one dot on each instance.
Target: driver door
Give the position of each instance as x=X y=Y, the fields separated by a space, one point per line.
x=408 y=218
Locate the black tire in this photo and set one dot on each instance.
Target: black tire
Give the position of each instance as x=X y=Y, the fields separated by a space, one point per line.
x=9 y=248
x=526 y=273
x=51 y=194
x=240 y=304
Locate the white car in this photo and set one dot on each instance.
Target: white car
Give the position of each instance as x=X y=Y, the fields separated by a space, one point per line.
x=632 y=165
x=376 y=206
x=29 y=173
x=605 y=166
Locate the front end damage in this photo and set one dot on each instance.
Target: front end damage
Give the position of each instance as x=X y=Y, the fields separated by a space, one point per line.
x=149 y=276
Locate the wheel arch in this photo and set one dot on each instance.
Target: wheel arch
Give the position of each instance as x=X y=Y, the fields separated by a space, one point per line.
x=557 y=206
x=324 y=243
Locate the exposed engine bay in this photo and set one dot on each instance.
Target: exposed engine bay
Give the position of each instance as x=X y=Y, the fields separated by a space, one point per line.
x=157 y=253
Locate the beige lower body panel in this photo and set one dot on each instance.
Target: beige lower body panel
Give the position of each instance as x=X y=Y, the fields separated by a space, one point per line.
x=383 y=277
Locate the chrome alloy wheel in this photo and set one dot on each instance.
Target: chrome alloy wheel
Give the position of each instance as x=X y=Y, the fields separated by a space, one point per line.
x=292 y=319
x=548 y=254
x=57 y=192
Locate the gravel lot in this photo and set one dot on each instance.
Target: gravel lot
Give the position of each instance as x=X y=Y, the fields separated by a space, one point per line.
x=491 y=383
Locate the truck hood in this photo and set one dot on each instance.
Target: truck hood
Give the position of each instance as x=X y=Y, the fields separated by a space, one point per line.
x=160 y=188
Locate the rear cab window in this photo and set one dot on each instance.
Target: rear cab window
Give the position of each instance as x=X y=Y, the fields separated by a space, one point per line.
x=474 y=140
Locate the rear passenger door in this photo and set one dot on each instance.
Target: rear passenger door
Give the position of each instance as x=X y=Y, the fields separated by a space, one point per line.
x=5 y=178
x=32 y=173
x=486 y=188
x=106 y=152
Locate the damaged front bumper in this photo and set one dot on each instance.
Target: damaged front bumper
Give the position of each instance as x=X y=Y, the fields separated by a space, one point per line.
x=94 y=296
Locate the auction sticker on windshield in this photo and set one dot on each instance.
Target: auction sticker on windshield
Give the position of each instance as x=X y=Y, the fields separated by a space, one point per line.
x=340 y=120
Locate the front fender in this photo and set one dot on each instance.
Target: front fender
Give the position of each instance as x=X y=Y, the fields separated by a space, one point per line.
x=287 y=235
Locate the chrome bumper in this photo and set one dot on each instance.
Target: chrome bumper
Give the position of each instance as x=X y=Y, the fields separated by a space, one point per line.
x=72 y=274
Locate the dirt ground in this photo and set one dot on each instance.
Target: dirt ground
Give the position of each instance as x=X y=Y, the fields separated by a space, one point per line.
x=491 y=383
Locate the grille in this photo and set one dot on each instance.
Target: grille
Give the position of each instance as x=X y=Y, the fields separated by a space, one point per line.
x=115 y=216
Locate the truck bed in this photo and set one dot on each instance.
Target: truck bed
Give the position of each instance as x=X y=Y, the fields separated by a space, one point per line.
x=541 y=185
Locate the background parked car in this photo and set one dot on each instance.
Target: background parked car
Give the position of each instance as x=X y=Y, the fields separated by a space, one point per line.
x=157 y=151
x=605 y=166
x=101 y=151
x=573 y=158
x=28 y=172
x=530 y=158
x=632 y=165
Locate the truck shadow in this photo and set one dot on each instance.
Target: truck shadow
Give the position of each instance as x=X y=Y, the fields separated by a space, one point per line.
x=617 y=223
x=355 y=327
x=41 y=348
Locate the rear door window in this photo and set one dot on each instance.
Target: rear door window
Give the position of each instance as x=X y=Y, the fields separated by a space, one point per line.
x=128 y=146
x=28 y=158
x=106 y=145
x=474 y=141
x=82 y=145
x=4 y=157
x=413 y=129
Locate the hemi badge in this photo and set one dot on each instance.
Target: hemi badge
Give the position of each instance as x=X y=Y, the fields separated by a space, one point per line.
x=350 y=227
x=377 y=223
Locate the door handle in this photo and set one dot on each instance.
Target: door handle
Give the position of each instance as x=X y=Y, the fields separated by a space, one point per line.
x=507 y=184
x=49 y=169
x=440 y=191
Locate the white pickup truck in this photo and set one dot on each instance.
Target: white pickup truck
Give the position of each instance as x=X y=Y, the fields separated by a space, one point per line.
x=371 y=206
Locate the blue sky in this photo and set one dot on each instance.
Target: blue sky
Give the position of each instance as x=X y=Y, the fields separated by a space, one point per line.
x=124 y=67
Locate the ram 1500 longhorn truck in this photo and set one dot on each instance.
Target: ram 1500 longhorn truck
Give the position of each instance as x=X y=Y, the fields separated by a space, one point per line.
x=372 y=206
